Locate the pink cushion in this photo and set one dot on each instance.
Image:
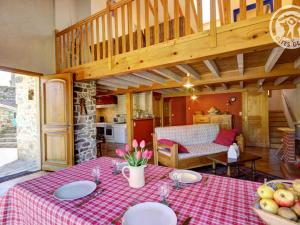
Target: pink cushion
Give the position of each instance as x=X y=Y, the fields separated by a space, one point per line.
x=226 y=137
x=170 y=143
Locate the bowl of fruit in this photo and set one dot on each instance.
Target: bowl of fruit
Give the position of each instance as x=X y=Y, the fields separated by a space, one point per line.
x=278 y=202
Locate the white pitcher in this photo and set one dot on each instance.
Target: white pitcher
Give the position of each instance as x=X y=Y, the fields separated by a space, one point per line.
x=136 y=177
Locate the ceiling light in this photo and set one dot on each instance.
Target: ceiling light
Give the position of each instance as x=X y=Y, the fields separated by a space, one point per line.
x=194 y=97
x=188 y=83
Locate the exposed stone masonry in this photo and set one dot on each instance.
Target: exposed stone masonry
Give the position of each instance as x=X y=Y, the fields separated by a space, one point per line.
x=8 y=96
x=84 y=125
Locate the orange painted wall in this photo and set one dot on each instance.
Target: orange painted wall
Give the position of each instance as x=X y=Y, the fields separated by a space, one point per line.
x=205 y=102
x=142 y=129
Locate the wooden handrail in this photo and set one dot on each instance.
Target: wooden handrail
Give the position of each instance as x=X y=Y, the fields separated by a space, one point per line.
x=115 y=30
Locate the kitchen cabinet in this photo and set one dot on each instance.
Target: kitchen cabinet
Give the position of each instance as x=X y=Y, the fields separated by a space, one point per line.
x=106 y=100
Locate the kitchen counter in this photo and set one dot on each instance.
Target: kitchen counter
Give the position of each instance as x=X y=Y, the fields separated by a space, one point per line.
x=144 y=118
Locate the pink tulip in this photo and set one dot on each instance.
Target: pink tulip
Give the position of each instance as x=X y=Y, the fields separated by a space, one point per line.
x=147 y=154
x=120 y=152
x=127 y=148
x=135 y=143
x=143 y=144
x=138 y=155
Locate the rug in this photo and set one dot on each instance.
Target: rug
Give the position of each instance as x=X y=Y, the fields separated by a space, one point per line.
x=246 y=173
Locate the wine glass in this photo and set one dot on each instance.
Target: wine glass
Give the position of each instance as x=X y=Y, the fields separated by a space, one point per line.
x=96 y=173
x=177 y=180
x=164 y=191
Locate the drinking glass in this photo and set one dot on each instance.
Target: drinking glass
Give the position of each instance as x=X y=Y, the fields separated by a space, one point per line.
x=116 y=166
x=96 y=173
x=164 y=191
x=177 y=180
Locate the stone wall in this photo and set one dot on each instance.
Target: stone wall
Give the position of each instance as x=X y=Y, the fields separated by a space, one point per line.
x=8 y=96
x=84 y=124
x=28 y=119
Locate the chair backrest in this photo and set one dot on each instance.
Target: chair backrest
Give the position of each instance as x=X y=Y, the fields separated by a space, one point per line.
x=189 y=134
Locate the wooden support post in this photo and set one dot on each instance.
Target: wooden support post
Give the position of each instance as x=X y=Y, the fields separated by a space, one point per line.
x=138 y=24
x=243 y=5
x=129 y=117
x=166 y=19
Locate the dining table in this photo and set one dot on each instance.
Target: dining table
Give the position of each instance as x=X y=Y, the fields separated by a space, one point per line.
x=220 y=200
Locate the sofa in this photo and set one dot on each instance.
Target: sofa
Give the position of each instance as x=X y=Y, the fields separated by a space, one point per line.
x=198 y=140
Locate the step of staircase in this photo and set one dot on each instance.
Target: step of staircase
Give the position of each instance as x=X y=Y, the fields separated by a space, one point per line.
x=8 y=145
x=274 y=114
x=276 y=140
x=278 y=124
x=275 y=146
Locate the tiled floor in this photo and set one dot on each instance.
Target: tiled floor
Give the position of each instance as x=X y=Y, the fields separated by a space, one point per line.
x=8 y=155
x=8 y=184
x=18 y=166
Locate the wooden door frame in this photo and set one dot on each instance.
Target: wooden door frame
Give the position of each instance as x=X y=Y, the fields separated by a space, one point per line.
x=39 y=115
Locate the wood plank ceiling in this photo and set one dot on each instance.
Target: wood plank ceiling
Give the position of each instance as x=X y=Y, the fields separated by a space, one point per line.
x=275 y=68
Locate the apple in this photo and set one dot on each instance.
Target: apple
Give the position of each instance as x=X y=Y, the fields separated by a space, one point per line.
x=296 y=208
x=296 y=185
x=268 y=205
x=265 y=191
x=276 y=186
x=294 y=192
x=284 y=198
x=287 y=213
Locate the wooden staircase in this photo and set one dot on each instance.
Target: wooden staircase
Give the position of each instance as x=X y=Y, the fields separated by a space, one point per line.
x=276 y=119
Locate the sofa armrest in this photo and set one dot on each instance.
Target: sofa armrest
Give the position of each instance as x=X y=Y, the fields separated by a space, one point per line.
x=240 y=142
x=155 y=149
x=174 y=156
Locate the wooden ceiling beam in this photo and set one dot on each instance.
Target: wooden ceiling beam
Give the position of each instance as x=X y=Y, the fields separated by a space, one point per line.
x=121 y=82
x=137 y=80
x=297 y=63
x=280 y=80
x=151 y=76
x=251 y=74
x=168 y=74
x=240 y=62
x=211 y=88
x=212 y=66
x=273 y=58
x=110 y=84
x=296 y=81
x=185 y=68
x=260 y=82
x=103 y=88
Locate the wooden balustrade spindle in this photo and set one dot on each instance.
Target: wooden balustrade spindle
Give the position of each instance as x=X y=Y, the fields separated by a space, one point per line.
x=147 y=28
x=200 y=17
x=166 y=19
x=60 y=54
x=57 y=54
x=213 y=23
x=87 y=43
x=277 y=4
x=68 y=50
x=259 y=7
x=130 y=32
x=92 y=41
x=73 y=48
x=187 y=17
x=98 y=38
x=77 y=55
x=176 y=19
x=138 y=24
x=243 y=9
x=109 y=35
x=65 y=51
x=103 y=38
x=227 y=11
x=116 y=32
x=81 y=45
x=156 y=22
x=123 y=29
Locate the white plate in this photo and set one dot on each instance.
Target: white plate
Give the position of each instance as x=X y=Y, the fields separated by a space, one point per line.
x=187 y=176
x=75 y=190
x=149 y=213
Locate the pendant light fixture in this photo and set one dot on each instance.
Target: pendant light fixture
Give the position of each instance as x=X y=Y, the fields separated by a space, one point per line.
x=194 y=97
x=188 y=83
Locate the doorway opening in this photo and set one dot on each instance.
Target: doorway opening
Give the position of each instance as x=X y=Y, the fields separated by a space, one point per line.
x=20 y=147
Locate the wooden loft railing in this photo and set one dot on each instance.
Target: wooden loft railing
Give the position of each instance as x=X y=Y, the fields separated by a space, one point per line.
x=134 y=24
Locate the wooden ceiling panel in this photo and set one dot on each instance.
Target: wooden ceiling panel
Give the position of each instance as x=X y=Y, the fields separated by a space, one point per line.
x=256 y=59
x=289 y=55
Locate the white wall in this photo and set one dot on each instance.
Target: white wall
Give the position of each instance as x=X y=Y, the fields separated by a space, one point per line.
x=27 y=35
x=69 y=12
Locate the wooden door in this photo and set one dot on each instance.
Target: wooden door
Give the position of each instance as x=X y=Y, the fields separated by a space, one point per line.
x=256 y=119
x=178 y=111
x=57 y=121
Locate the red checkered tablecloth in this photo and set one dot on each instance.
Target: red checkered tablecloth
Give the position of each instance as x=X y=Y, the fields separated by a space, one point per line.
x=222 y=201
